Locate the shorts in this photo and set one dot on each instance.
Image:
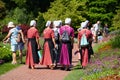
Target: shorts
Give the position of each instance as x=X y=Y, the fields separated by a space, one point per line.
x=20 y=46
x=96 y=33
x=14 y=47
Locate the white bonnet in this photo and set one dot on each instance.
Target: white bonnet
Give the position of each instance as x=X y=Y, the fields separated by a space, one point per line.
x=68 y=21
x=48 y=23
x=84 y=24
x=11 y=24
x=32 y=23
x=56 y=23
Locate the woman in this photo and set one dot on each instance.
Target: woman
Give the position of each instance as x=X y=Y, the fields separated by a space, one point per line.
x=32 y=57
x=66 y=47
x=49 y=44
x=84 y=49
x=56 y=28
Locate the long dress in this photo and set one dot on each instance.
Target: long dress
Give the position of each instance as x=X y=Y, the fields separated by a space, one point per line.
x=66 y=48
x=84 y=50
x=32 y=47
x=48 y=54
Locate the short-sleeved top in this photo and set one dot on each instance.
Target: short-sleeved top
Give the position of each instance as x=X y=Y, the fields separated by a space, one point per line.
x=88 y=34
x=97 y=27
x=14 y=35
x=68 y=28
x=48 y=33
x=33 y=33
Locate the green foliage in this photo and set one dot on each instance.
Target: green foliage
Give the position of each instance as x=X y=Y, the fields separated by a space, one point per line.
x=2 y=9
x=98 y=74
x=75 y=75
x=5 y=53
x=116 y=21
x=115 y=42
x=7 y=67
x=22 y=11
x=20 y=3
x=17 y=16
x=40 y=22
x=2 y=36
x=60 y=9
x=102 y=10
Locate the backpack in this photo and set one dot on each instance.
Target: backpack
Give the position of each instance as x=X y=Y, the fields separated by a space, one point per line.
x=56 y=35
x=84 y=42
x=65 y=36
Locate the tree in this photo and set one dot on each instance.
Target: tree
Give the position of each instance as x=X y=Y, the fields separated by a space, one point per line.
x=61 y=9
x=102 y=10
x=2 y=9
x=116 y=21
x=17 y=16
x=40 y=22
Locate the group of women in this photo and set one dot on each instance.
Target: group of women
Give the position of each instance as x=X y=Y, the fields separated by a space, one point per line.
x=50 y=57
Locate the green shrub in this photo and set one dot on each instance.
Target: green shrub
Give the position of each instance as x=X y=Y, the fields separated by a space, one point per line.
x=5 y=53
x=115 y=42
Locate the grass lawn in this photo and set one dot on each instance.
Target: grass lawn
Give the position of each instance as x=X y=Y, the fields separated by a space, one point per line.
x=7 y=67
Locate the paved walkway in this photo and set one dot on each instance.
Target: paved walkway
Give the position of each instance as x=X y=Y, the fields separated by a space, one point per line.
x=41 y=73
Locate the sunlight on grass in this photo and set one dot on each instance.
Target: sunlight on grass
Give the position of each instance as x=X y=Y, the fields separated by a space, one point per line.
x=7 y=67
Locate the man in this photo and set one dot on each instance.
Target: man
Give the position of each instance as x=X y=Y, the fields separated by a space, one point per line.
x=13 y=35
x=97 y=29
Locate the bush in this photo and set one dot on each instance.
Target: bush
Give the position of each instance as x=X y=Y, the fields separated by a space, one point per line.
x=115 y=42
x=5 y=53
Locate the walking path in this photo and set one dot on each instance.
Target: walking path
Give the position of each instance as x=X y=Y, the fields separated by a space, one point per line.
x=41 y=73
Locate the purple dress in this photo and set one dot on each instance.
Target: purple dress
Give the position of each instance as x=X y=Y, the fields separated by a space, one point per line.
x=66 y=48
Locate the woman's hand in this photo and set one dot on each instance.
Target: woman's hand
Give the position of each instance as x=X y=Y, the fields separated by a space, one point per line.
x=39 y=47
x=55 y=46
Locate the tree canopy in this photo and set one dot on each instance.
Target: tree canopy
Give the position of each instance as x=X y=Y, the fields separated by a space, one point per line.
x=2 y=9
x=22 y=11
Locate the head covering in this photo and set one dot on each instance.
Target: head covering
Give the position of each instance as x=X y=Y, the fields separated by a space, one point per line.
x=84 y=24
x=18 y=27
x=11 y=24
x=32 y=23
x=48 y=23
x=56 y=23
x=68 y=21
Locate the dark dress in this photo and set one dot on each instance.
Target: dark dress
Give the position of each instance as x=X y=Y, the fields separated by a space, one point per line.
x=84 y=50
x=32 y=47
x=66 y=48
x=48 y=53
